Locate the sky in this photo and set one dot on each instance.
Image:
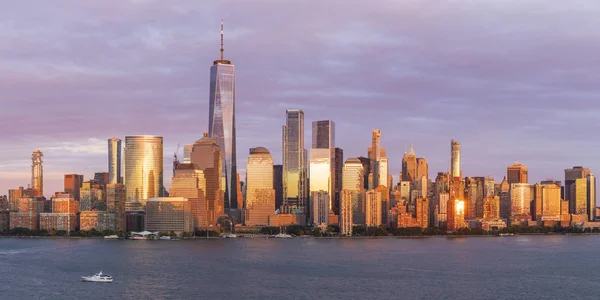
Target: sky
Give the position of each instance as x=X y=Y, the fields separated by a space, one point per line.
x=510 y=80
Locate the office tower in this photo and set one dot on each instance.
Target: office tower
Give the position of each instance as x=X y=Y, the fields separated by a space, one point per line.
x=37 y=174
x=456 y=215
x=63 y=216
x=385 y=203
x=72 y=185
x=353 y=182
x=294 y=161
x=409 y=166
x=102 y=178
x=489 y=187
x=422 y=212
x=221 y=126
x=323 y=134
x=551 y=201
x=114 y=160
x=579 y=201
x=346 y=212
x=143 y=168
x=373 y=209
x=115 y=204
x=338 y=166
x=591 y=197
x=206 y=156
x=319 y=207
x=189 y=182
x=366 y=162
x=422 y=187
x=91 y=196
x=422 y=168
x=187 y=150
x=516 y=173
x=260 y=195
x=321 y=167
x=520 y=198
x=536 y=203
x=166 y=214
x=375 y=159
x=455 y=159
x=442 y=209
x=471 y=203
x=570 y=176
x=491 y=207
x=278 y=185
x=405 y=190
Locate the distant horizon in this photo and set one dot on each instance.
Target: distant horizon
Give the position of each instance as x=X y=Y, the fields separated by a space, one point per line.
x=508 y=86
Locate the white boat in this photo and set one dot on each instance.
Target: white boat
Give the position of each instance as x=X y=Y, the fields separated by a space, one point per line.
x=165 y=237
x=229 y=236
x=111 y=237
x=283 y=236
x=97 y=278
x=138 y=238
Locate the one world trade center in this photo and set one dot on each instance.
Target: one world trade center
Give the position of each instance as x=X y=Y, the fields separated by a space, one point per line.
x=221 y=125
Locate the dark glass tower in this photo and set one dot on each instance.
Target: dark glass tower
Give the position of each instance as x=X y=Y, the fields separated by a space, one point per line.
x=221 y=126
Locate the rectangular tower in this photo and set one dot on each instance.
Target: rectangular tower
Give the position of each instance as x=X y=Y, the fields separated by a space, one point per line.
x=294 y=161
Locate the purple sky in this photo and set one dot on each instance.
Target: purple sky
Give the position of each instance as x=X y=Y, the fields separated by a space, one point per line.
x=511 y=80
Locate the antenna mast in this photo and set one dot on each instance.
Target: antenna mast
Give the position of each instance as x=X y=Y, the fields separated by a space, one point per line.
x=222 y=49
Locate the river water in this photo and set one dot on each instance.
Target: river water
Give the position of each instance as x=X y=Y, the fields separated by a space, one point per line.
x=517 y=267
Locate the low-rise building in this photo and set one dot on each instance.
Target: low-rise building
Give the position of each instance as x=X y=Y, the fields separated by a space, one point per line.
x=29 y=220
x=166 y=214
x=4 y=221
x=88 y=220
x=58 y=221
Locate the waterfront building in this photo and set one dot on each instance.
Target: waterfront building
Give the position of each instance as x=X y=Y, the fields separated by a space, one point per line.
x=27 y=213
x=373 y=208
x=206 y=156
x=260 y=194
x=442 y=209
x=114 y=160
x=115 y=198
x=422 y=212
x=88 y=220
x=321 y=167
x=455 y=170
x=374 y=153
x=516 y=173
x=222 y=125
x=385 y=203
x=135 y=221
x=551 y=202
x=4 y=221
x=491 y=208
x=320 y=207
x=65 y=204
x=189 y=182
x=353 y=182
x=3 y=203
x=295 y=184
x=570 y=176
x=456 y=214
x=143 y=168
x=520 y=201
x=37 y=174
x=166 y=214
x=346 y=210
x=58 y=221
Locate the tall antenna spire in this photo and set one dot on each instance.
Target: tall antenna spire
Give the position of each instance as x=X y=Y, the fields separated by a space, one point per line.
x=222 y=49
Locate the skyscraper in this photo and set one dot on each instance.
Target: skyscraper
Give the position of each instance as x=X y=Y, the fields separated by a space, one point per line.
x=278 y=185
x=321 y=175
x=260 y=194
x=323 y=134
x=72 y=184
x=206 y=156
x=338 y=166
x=189 y=182
x=516 y=173
x=571 y=175
x=353 y=183
x=409 y=166
x=455 y=159
x=346 y=212
x=37 y=174
x=373 y=208
x=114 y=160
x=143 y=168
x=221 y=126
x=375 y=157
x=294 y=161
x=520 y=199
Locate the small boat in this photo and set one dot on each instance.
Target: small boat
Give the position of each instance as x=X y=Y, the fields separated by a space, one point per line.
x=138 y=238
x=283 y=236
x=229 y=236
x=97 y=278
x=111 y=237
x=165 y=238
x=506 y=234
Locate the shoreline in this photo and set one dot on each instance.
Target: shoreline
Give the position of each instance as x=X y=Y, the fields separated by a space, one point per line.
x=321 y=237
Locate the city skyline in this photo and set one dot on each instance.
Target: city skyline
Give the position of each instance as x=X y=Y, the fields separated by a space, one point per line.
x=491 y=87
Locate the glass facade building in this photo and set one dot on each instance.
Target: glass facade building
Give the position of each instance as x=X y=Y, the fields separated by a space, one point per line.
x=37 y=173
x=323 y=134
x=321 y=161
x=294 y=161
x=260 y=194
x=455 y=159
x=221 y=126
x=143 y=167
x=353 y=187
x=114 y=160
